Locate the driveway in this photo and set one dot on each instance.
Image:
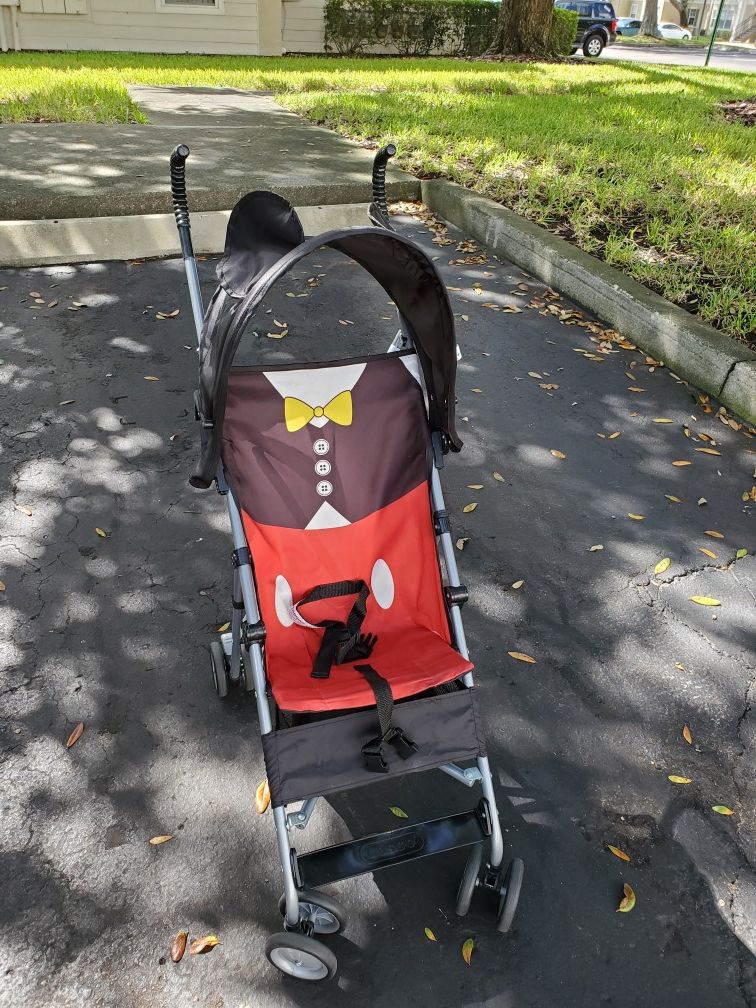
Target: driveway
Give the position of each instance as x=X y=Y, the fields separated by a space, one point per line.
x=112 y=630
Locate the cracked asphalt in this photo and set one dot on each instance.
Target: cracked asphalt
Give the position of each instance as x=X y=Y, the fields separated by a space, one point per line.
x=113 y=632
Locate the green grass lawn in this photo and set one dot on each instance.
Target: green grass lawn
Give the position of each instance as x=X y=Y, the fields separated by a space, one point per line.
x=632 y=162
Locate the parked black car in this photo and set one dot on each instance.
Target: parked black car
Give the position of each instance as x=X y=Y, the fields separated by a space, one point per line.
x=597 y=25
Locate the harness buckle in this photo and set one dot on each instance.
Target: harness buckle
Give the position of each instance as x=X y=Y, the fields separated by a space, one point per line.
x=372 y=753
x=403 y=744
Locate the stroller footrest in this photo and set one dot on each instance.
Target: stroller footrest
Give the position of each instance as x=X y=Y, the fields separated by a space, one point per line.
x=382 y=850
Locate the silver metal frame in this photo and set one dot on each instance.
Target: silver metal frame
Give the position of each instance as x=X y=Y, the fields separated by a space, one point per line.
x=244 y=592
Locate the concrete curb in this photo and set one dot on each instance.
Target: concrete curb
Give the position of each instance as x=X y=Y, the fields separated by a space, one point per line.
x=691 y=349
x=139 y=236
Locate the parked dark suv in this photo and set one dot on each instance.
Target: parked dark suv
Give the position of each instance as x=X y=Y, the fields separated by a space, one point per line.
x=597 y=25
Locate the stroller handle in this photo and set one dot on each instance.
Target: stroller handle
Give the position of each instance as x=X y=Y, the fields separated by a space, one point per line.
x=178 y=186
x=380 y=162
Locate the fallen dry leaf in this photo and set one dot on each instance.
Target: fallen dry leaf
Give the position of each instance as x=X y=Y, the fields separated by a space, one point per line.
x=24 y=510
x=671 y=497
x=2 y=585
x=557 y=454
x=429 y=934
x=498 y=477
x=713 y=534
x=675 y=779
x=707 y=552
x=67 y=402
x=469 y=507
x=627 y=902
x=534 y=374
x=398 y=812
x=595 y=548
x=517 y=584
x=474 y=486
x=663 y=420
x=460 y=543
x=708 y=451
x=201 y=945
x=521 y=656
x=662 y=565
x=618 y=853
x=704 y=600
x=223 y=628
x=467 y=950
x=636 y=517
x=75 y=735
x=101 y=533
x=178 y=946
x=635 y=388
x=278 y=335
x=679 y=665
x=163 y=838
x=682 y=462
x=722 y=809
x=262 y=796
x=687 y=734
x=151 y=377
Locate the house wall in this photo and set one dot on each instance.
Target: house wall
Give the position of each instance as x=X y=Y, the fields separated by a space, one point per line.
x=635 y=8
x=303 y=26
x=145 y=26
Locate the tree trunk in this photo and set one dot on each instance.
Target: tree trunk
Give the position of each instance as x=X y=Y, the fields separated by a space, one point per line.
x=524 y=26
x=650 y=18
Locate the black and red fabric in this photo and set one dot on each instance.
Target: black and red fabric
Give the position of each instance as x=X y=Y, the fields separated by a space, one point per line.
x=329 y=465
x=264 y=242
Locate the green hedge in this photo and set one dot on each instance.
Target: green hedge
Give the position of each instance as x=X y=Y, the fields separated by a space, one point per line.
x=421 y=27
x=563 y=31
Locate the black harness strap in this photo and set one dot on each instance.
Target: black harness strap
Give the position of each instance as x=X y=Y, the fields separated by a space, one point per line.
x=373 y=751
x=341 y=641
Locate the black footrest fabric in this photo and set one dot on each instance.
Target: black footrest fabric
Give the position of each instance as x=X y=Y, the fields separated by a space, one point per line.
x=326 y=756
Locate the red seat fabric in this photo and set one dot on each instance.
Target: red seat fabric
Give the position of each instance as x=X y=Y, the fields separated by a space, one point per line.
x=329 y=465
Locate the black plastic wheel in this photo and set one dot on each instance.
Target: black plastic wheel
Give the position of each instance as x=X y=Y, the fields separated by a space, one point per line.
x=325 y=913
x=469 y=879
x=593 y=46
x=219 y=669
x=300 y=956
x=245 y=672
x=510 y=895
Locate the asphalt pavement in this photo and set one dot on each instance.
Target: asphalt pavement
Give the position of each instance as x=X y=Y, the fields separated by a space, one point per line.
x=722 y=57
x=112 y=630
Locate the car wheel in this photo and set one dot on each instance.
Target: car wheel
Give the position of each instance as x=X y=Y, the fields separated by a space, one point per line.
x=593 y=46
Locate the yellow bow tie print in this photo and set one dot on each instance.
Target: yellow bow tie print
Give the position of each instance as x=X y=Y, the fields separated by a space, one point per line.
x=298 y=414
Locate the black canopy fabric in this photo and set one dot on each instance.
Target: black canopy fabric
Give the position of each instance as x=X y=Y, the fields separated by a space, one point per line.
x=263 y=242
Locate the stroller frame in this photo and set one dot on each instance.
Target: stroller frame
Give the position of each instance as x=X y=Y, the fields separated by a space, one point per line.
x=241 y=652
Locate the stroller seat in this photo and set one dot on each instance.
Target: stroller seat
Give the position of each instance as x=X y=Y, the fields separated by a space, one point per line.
x=330 y=465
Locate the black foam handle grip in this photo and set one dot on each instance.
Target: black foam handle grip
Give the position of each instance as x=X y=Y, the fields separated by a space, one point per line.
x=380 y=161
x=178 y=185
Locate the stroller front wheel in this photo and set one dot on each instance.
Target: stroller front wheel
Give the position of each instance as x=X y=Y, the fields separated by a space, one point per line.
x=300 y=956
x=469 y=880
x=325 y=914
x=219 y=669
x=510 y=895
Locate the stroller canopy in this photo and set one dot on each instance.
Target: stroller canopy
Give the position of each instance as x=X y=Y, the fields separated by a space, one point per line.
x=263 y=242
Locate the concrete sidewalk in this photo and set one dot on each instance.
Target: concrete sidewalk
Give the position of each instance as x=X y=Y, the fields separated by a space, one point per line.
x=240 y=140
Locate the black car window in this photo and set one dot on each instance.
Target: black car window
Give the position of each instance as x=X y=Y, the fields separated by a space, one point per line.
x=585 y=10
x=604 y=10
x=566 y=5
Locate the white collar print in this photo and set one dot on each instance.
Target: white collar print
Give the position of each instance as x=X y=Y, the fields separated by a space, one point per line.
x=316 y=387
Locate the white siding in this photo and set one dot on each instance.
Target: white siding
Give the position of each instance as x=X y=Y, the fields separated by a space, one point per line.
x=138 y=25
x=303 y=27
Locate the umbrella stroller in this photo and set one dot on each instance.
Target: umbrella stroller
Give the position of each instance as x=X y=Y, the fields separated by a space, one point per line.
x=346 y=622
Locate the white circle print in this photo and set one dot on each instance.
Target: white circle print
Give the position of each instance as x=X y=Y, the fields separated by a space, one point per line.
x=322 y=467
x=324 y=488
x=321 y=447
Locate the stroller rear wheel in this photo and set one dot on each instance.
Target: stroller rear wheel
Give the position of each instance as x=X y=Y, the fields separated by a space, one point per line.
x=510 y=894
x=219 y=669
x=300 y=956
x=325 y=914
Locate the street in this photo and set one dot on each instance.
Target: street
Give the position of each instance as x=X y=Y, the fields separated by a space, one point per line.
x=722 y=57
x=117 y=575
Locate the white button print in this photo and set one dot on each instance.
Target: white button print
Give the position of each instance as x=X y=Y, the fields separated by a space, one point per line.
x=321 y=447
x=324 y=488
x=322 y=467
